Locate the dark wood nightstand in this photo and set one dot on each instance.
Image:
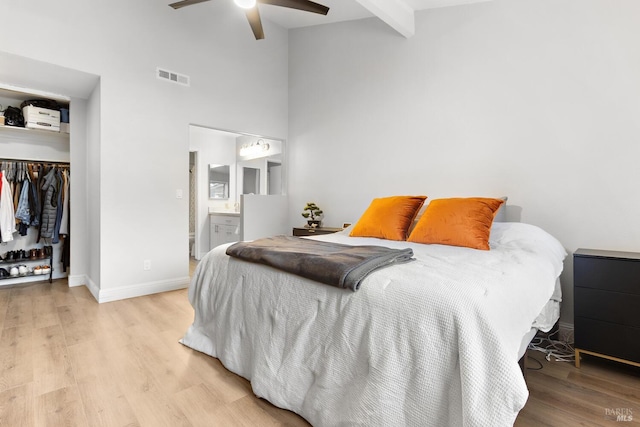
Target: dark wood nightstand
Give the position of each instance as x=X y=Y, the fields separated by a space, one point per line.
x=303 y=231
x=606 y=296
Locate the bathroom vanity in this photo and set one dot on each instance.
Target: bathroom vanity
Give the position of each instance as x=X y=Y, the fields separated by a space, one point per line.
x=224 y=228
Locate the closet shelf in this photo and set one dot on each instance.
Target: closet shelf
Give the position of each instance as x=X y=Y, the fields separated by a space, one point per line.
x=25 y=131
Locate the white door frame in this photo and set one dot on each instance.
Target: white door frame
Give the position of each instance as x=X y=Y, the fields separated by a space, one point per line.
x=196 y=233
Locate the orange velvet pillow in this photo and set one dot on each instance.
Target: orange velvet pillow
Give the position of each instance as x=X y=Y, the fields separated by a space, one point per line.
x=388 y=217
x=457 y=222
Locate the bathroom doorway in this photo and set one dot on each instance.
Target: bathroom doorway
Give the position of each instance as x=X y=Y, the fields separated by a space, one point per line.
x=250 y=180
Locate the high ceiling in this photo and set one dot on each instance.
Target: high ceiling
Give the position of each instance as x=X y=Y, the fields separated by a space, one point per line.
x=397 y=13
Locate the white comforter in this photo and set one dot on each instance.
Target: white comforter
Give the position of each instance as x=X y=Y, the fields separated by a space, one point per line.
x=433 y=342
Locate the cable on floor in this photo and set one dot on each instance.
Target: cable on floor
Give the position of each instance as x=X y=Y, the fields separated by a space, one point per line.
x=553 y=347
x=537 y=368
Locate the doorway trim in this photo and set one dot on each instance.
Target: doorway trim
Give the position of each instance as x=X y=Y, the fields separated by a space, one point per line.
x=193 y=193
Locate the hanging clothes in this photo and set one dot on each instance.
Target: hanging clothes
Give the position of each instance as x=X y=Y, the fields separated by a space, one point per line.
x=36 y=175
x=58 y=195
x=19 y=176
x=64 y=222
x=34 y=194
x=23 y=213
x=17 y=187
x=66 y=238
x=33 y=220
x=49 y=204
x=65 y=258
x=7 y=213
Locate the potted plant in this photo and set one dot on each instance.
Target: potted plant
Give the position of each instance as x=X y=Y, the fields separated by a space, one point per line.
x=313 y=214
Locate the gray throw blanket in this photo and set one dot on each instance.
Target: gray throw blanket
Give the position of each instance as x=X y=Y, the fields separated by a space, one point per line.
x=334 y=264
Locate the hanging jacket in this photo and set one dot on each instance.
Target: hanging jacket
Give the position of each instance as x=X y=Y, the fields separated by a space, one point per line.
x=23 y=213
x=7 y=214
x=58 y=195
x=64 y=222
x=36 y=208
x=49 y=204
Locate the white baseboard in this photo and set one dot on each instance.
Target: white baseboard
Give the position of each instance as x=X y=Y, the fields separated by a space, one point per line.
x=93 y=288
x=124 y=292
x=77 y=280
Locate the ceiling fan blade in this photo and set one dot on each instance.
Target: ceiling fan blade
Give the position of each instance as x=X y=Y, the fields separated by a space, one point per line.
x=254 y=20
x=305 y=5
x=183 y=3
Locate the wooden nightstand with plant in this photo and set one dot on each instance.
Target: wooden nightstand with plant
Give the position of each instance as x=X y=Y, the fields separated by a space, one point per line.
x=313 y=214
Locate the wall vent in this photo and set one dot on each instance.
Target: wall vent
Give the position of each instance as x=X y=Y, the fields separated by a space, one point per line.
x=172 y=76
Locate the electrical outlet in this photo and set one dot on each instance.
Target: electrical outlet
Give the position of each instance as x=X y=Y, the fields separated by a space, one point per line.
x=146 y=264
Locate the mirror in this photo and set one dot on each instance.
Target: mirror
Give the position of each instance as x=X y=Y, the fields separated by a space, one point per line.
x=219 y=177
x=259 y=162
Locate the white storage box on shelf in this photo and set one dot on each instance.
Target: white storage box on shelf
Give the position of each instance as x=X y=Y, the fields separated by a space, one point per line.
x=41 y=118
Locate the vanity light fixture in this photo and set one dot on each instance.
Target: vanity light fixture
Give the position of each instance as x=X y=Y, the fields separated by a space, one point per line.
x=255 y=148
x=245 y=4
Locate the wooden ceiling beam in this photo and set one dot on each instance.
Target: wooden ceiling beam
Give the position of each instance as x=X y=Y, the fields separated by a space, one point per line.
x=395 y=13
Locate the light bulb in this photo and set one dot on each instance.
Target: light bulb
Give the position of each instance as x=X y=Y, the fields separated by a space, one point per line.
x=245 y=4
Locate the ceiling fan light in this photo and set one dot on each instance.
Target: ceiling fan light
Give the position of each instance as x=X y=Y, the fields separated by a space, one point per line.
x=245 y=4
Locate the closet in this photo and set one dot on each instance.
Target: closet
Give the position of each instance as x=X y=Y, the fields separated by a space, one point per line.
x=34 y=197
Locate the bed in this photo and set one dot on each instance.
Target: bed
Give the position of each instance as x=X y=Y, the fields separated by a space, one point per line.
x=432 y=342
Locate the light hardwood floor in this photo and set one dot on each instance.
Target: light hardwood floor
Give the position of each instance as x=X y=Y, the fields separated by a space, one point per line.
x=563 y=395
x=67 y=361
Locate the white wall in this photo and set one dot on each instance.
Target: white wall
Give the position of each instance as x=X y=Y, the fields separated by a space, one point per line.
x=236 y=83
x=538 y=100
x=79 y=193
x=263 y=216
x=94 y=192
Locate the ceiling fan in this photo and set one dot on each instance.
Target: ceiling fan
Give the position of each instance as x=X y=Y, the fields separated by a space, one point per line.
x=252 y=10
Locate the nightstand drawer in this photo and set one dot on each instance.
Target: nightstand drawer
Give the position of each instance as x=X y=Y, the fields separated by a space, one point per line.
x=619 y=275
x=303 y=231
x=607 y=338
x=613 y=307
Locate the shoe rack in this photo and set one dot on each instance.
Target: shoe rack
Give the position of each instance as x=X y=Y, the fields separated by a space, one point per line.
x=22 y=263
